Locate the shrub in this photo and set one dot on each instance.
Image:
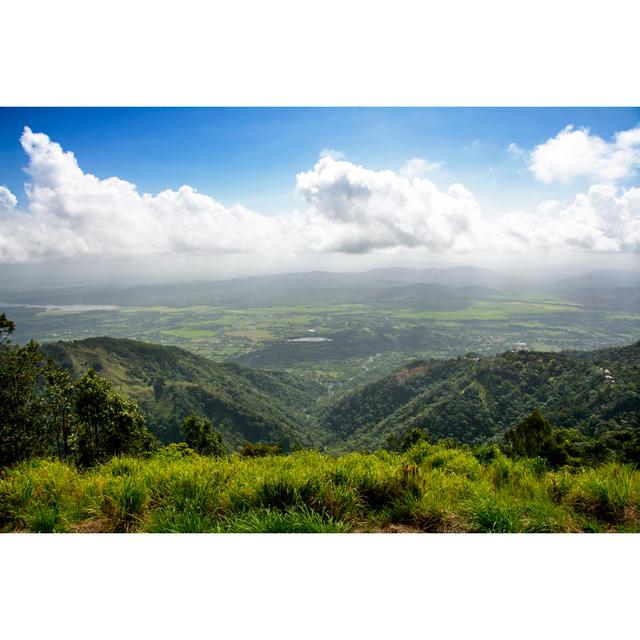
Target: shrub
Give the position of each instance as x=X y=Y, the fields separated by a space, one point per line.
x=202 y=437
x=176 y=451
x=412 y=437
x=259 y=449
x=486 y=453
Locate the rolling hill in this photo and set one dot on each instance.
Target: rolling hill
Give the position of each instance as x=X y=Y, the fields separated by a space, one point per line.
x=170 y=383
x=474 y=399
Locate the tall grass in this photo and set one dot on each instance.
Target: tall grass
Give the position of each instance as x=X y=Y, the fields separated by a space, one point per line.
x=430 y=488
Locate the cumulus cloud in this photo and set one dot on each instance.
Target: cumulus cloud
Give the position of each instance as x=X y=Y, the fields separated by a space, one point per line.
x=355 y=210
x=600 y=220
x=74 y=213
x=575 y=153
x=348 y=209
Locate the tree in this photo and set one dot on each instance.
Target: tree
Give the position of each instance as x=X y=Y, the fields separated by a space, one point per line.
x=202 y=437
x=108 y=423
x=35 y=401
x=530 y=437
x=534 y=437
x=23 y=432
x=40 y=406
x=393 y=443
x=58 y=399
x=411 y=437
x=7 y=327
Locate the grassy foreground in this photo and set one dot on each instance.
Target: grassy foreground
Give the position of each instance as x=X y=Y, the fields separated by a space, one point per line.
x=430 y=488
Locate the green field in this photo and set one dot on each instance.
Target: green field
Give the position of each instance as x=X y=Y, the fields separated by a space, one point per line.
x=430 y=488
x=492 y=310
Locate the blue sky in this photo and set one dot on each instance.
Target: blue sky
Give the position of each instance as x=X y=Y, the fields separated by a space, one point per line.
x=251 y=155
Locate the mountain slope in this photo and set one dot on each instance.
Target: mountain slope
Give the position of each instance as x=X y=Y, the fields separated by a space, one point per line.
x=474 y=399
x=170 y=383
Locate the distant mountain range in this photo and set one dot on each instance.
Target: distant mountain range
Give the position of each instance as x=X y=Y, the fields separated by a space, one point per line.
x=319 y=287
x=598 y=279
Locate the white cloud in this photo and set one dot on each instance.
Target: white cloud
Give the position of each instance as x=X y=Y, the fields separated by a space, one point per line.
x=600 y=220
x=355 y=210
x=7 y=199
x=74 y=213
x=418 y=168
x=348 y=209
x=575 y=153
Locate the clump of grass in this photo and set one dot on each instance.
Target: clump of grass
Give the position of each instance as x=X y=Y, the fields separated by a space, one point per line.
x=376 y=491
x=174 y=520
x=292 y=520
x=537 y=466
x=542 y=516
x=495 y=515
x=605 y=494
x=41 y=495
x=451 y=461
x=501 y=471
x=558 y=486
x=279 y=491
x=120 y=467
x=45 y=519
x=341 y=502
x=192 y=491
x=423 y=513
x=124 y=502
x=9 y=509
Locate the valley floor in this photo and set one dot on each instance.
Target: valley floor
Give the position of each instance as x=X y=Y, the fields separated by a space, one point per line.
x=430 y=488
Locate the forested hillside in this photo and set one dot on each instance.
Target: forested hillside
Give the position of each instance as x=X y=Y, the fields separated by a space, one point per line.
x=171 y=384
x=471 y=399
x=474 y=399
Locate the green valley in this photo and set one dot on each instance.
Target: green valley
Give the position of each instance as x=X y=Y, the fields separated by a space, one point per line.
x=345 y=328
